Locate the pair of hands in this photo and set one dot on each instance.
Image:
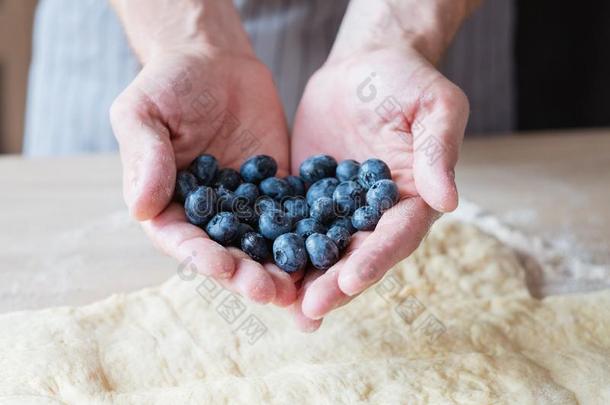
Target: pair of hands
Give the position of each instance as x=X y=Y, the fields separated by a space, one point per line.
x=385 y=102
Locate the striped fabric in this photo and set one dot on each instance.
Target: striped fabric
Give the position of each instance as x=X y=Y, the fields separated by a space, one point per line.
x=293 y=37
x=81 y=61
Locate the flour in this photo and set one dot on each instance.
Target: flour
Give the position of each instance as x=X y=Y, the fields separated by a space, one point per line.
x=555 y=266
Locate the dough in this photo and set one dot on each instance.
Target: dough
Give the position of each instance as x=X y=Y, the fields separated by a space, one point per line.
x=454 y=323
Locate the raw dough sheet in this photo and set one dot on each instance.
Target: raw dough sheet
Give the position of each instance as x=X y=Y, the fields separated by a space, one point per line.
x=454 y=323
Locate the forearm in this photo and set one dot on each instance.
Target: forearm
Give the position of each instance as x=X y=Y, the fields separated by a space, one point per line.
x=427 y=25
x=161 y=26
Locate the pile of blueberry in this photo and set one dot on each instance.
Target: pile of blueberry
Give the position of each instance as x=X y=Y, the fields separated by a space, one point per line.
x=296 y=219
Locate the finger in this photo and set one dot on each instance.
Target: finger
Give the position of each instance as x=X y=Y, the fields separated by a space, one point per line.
x=438 y=131
x=323 y=294
x=396 y=236
x=297 y=276
x=285 y=288
x=304 y=323
x=250 y=279
x=149 y=167
x=174 y=236
x=331 y=298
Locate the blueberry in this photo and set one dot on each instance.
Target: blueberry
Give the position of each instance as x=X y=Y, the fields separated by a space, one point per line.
x=297 y=184
x=296 y=208
x=248 y=191
x=241 y=231
x=321 y=188
x=366 y=218
x=186 y=183
x=200 y=205
x=317 y=167
x=340 y=236
x=273 y=223
x=382 y=195
x=223 y=228
x=323 y=210
x=322 y=251
x=227 y=178
x=226 y=199
x=289 y=252
x=373 y=170
x=347 y=170
x=244 y=212
x=348 y=197
x=276 y=188
x=344 y=222
x=205 y=168
x=308 y=226
x=255 y=246
x=258 y=168
x=265 y=203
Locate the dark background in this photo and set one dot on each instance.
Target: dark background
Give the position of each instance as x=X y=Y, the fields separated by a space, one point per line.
x=562 y=52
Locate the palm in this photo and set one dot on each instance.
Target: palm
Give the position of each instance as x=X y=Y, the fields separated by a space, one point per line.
x=227 y=108
x=186 y=106
x=333 y=118
x=375 y=105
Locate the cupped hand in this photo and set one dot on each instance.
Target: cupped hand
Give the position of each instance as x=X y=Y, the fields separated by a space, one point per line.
x=180 y=106
x=394 y=105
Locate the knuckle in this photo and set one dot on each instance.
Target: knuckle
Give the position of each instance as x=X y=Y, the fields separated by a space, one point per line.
x=130 y=103
x=451 y=99
x=118 y=110
x=261 y=71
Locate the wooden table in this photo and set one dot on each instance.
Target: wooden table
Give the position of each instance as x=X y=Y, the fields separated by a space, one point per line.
x=66 y=237
x=554 y=186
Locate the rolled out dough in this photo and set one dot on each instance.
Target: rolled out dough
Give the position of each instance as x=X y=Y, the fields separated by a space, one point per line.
x=454 y=323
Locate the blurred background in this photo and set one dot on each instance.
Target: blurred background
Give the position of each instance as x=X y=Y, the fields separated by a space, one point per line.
x=525 y=65
x=16 y=18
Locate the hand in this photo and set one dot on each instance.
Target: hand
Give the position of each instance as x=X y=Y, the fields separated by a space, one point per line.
x=389 y=103
x=184 y=104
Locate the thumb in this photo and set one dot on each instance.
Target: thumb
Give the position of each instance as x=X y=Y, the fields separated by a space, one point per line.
x=149 y=168
x=438 y=131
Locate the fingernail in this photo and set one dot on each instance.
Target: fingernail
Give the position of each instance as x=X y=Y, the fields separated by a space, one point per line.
x=348 y=283
x=225 y=274
x=307 y=325
x=308 y=312
x=310 y=327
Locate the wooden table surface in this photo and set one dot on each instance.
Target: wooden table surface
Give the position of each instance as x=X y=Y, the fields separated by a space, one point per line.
x=555 y=186
x=66 y=239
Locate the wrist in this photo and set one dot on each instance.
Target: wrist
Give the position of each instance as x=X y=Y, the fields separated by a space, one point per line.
x=427 y=28
x=203 y=27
